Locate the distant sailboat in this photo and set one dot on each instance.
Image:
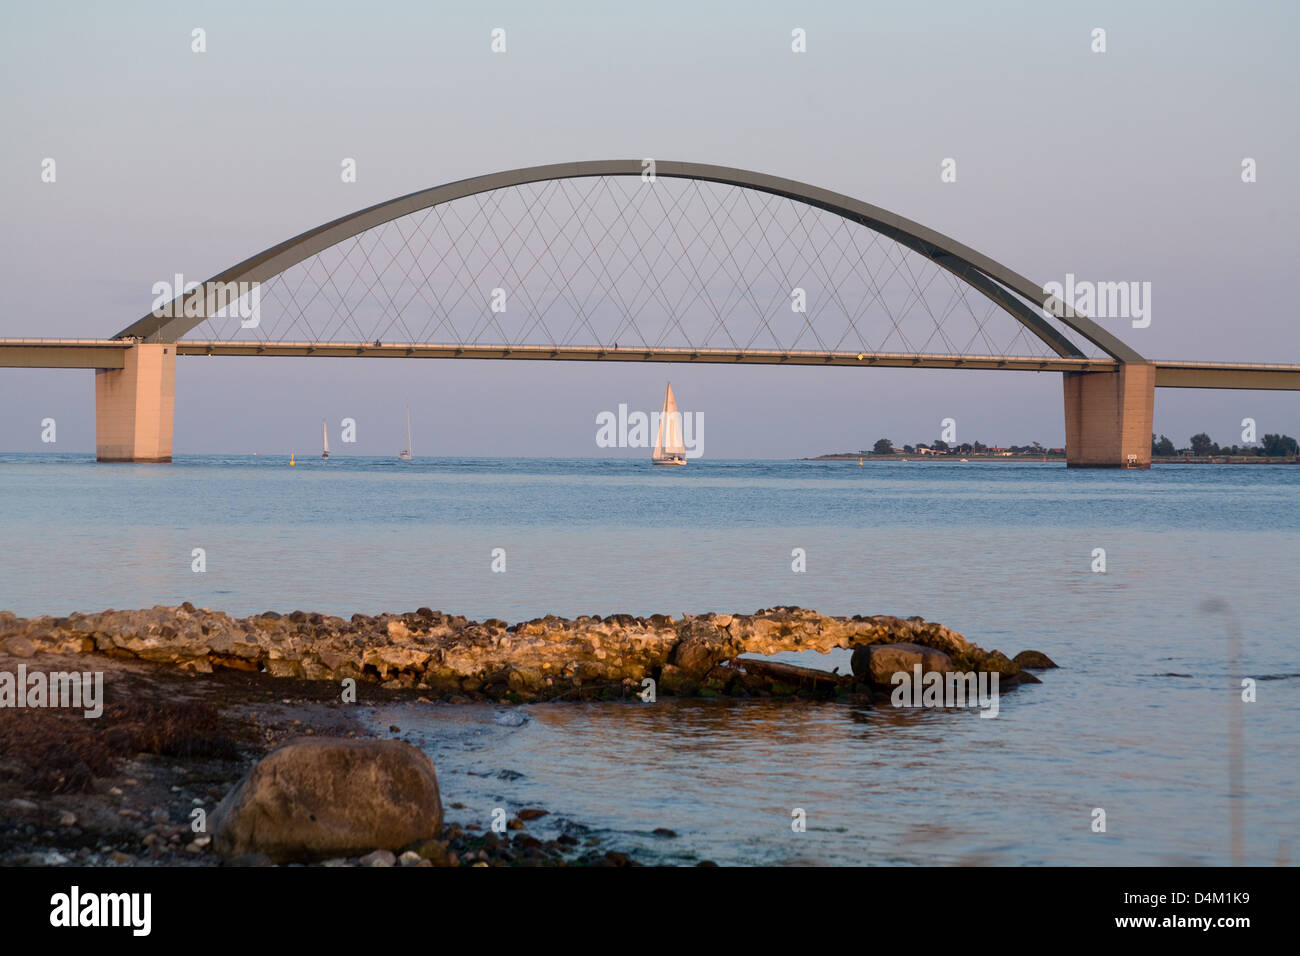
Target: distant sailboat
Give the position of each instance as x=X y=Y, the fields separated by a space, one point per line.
x=669 y=449
x=406 y=454
x=325 y=439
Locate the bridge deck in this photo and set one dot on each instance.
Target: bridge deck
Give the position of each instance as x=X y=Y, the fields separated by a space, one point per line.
x=62 y=353
x=108 y=353
x=1227 y=375
x=627 y=354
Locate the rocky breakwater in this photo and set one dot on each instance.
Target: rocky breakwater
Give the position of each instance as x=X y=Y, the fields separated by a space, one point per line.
x=545 y=658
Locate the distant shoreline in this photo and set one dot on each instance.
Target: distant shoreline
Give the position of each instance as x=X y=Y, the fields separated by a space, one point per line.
x=1179 y=460
x=920 y=457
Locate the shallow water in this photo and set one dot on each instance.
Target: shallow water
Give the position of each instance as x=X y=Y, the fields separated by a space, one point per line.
x=999 y=552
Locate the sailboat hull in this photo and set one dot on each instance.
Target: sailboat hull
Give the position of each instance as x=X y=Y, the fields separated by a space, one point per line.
x=670 y=461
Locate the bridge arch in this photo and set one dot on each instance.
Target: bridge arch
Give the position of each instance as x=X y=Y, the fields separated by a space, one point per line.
x=1009 y=290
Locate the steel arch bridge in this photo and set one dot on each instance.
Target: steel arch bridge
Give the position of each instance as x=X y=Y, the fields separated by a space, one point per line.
x=632 y=260
x=652 y=248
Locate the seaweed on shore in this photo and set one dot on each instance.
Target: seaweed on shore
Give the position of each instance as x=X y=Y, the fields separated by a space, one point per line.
x=52 y=752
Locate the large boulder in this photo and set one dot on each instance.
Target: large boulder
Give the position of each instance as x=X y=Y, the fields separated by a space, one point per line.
x=878 y=663
x=317 y=798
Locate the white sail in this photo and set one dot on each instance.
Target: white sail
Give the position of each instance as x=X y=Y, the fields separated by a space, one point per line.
x=668 y=438
x=324 y=437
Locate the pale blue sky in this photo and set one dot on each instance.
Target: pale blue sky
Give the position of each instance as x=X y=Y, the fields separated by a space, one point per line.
x=1123 y=165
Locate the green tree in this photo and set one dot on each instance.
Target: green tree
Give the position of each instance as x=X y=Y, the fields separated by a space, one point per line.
x=883 y=446
x=1278 y=446
x=1203 y=445
x=1163 y=448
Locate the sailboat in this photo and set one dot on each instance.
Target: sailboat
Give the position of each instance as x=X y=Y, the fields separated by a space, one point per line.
x=325 y=439
x=669 y=449
x=405 y=453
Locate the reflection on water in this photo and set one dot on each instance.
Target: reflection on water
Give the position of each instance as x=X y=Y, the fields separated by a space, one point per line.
x=878 y=785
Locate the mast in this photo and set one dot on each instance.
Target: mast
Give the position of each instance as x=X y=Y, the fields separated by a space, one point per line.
x=409 y=449
x=658 y=451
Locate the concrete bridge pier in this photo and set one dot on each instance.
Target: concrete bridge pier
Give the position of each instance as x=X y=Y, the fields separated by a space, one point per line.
x=1108 y=417
x=134 y=406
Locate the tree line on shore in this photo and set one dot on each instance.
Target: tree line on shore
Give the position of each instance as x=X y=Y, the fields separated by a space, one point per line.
x=885 y=446
x=1201 y=446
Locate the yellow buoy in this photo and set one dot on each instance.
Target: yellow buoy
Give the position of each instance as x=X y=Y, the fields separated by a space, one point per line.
x=291 y=461
x=859 y=462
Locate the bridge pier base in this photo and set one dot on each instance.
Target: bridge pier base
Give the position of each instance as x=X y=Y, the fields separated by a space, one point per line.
x=1108 y=417
x=134 y=406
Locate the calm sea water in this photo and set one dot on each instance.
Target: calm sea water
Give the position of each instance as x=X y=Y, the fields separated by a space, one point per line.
x=1135 y=722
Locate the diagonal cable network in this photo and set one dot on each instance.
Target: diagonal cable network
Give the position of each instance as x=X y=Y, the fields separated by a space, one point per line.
x=669 y=263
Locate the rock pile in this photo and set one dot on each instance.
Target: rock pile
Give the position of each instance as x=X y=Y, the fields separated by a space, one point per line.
x=545 y=658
